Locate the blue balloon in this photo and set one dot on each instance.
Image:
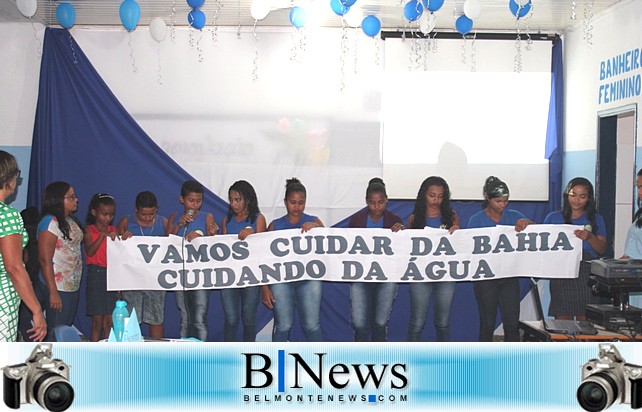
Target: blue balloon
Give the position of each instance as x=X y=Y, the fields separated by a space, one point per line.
x=371 y=25
x=433 y=5
x=413 y=10
x=196 y=19
x=518 y=11
x=298 y=17
x=338 y=8
x=129 y=14
x=195 y=4
x=66 y=15
x=463 y=24
x=348 y=3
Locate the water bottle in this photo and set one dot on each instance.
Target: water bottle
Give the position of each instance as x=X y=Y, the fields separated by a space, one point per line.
x=118 y=319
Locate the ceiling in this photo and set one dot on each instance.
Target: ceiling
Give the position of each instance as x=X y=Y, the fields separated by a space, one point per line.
x=547 y=16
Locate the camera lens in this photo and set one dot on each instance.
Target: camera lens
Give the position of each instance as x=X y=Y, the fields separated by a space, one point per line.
x=53 y=392
x=58 y=396
x=592 y=396
x=597 y=392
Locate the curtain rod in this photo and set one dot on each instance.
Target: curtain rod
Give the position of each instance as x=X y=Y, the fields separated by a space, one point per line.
x=479 y=36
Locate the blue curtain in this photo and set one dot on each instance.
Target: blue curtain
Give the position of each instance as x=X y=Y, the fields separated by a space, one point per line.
x=83 y=135
x=555 y=130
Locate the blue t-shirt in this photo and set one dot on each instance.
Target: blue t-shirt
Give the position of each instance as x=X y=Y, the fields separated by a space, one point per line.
x=283 y=223
x=481 y=219
x=234 y=227
x=434 y=222
x=371 y=224
x=633 y=247
x=157 y=228
x=557 y=218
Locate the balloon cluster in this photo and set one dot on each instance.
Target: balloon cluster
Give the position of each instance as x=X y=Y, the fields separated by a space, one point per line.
x=464 y=23
x=352 y=15
x=414 y=11
x=520 y=8
x=196 y=17
x=129 y=14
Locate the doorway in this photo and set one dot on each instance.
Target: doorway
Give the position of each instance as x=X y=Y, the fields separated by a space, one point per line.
x=615 y=174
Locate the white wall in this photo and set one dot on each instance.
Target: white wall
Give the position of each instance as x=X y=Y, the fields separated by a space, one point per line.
x=615 y=31
x=19 y=73
x=20 y=66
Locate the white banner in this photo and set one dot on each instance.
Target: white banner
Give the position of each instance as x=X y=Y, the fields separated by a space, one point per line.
x=344 y=255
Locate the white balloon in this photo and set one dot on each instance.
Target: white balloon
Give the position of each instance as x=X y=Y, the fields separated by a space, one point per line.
x=427 y=22
x=521 y=3
x=260 y=8
x=472 y=9
x=27 y=7
x=158 y=29
x=354 y=16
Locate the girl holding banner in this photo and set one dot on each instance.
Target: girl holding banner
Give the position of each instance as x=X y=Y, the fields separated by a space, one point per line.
x=432 y=209
x=305 y=295
x=372 y=302
x=100 y=301
x=569 y=297
x=243 y=218
x=502 y=293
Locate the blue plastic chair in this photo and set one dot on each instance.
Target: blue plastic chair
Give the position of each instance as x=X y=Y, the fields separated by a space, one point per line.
x=65 y=333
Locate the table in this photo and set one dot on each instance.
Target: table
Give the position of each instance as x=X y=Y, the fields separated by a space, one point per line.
x=533 y=331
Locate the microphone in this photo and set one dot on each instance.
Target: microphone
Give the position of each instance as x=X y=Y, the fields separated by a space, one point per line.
x=190 y=212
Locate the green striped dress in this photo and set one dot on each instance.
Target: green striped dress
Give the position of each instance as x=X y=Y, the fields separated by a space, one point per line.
x=10 y=224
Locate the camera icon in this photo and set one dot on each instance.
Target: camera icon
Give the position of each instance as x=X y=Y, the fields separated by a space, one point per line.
x=41 y=379
x=608 y=380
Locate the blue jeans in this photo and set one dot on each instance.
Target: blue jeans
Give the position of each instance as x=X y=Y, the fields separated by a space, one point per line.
x=371 y=307
x=240 y=303
x=304 y=295
x=442 y=294
x=193 y=306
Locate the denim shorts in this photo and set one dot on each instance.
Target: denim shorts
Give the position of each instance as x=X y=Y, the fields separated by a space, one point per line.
x=99 y=300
